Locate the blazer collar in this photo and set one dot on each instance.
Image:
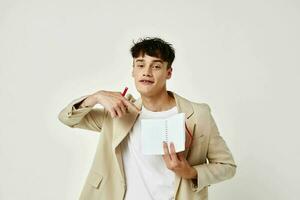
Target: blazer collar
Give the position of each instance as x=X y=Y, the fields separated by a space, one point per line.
x=182 y=104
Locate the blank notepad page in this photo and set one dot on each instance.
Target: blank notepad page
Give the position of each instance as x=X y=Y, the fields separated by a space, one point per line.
x=155 y=131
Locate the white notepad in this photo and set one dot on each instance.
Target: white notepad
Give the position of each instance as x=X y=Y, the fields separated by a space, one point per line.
x=155 y=131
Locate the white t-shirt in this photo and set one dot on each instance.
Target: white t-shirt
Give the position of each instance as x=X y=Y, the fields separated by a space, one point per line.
x=147 y=176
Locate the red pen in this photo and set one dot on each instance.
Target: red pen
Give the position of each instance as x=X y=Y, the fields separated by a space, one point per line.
x=124 y=92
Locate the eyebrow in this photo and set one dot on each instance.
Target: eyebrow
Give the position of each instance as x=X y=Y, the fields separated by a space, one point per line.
x=155 y=60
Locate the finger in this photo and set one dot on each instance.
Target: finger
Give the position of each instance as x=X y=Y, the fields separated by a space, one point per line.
x=118 y=110
x=120 y=105
x=127 y=103
x=112 y=113
x=117 y=107
x=131 y=105
x=166 y=152
x=181 y=156
x=123 y=108
x=173 y=152
x=112 y=110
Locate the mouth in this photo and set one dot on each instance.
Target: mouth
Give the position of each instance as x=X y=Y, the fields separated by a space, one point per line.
x=146 y=82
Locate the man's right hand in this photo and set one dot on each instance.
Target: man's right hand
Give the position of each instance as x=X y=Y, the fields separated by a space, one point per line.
x=114 y=102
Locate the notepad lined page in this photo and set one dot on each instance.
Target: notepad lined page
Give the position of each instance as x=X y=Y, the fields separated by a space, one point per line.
x=155 y=131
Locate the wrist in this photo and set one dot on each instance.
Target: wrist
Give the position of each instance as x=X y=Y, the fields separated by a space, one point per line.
x=90 y=101
x=97 y=96
x=193 y=173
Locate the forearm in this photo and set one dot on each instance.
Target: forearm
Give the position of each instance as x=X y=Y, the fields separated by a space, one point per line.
x=86 y=118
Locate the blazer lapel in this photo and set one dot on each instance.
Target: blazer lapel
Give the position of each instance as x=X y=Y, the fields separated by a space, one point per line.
x=121 y=128
x=184 y=106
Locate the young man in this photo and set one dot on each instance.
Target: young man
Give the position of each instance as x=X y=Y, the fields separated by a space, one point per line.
x=120 y=170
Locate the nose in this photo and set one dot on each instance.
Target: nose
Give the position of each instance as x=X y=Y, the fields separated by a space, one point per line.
x=147 y=71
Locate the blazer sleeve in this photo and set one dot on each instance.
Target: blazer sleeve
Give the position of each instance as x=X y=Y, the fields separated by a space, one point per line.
x=85 y=118
x=220 y=166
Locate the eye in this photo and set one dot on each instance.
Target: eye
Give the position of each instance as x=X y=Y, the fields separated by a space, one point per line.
x=139 y=65
x=157 y=67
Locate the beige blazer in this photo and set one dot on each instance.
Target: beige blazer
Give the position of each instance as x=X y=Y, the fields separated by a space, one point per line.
x=208 y=153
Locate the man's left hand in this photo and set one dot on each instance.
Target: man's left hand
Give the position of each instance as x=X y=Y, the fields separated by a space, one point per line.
x=177 y=162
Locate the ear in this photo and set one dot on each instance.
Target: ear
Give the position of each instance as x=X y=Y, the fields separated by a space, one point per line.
x=169 y=72
x=132 y=73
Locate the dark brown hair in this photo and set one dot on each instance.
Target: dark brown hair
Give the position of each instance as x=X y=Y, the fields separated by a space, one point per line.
x=155 y=47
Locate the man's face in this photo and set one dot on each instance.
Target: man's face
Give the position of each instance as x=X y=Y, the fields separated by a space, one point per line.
x=150 y=75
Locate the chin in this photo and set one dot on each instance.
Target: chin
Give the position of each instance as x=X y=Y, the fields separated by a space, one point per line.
x=144 y=92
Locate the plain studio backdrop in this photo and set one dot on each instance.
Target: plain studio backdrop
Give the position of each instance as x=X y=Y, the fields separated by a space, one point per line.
x=240 y=57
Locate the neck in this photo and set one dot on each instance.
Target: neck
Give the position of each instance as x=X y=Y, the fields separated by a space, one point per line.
x=159 y=102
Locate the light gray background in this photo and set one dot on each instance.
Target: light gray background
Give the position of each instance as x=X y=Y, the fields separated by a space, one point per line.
x=240 y=57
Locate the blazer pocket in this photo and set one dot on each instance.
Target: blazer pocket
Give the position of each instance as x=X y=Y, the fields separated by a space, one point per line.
x=94 y=179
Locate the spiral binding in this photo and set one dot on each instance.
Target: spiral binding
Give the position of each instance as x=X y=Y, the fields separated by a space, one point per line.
x=166 y=132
